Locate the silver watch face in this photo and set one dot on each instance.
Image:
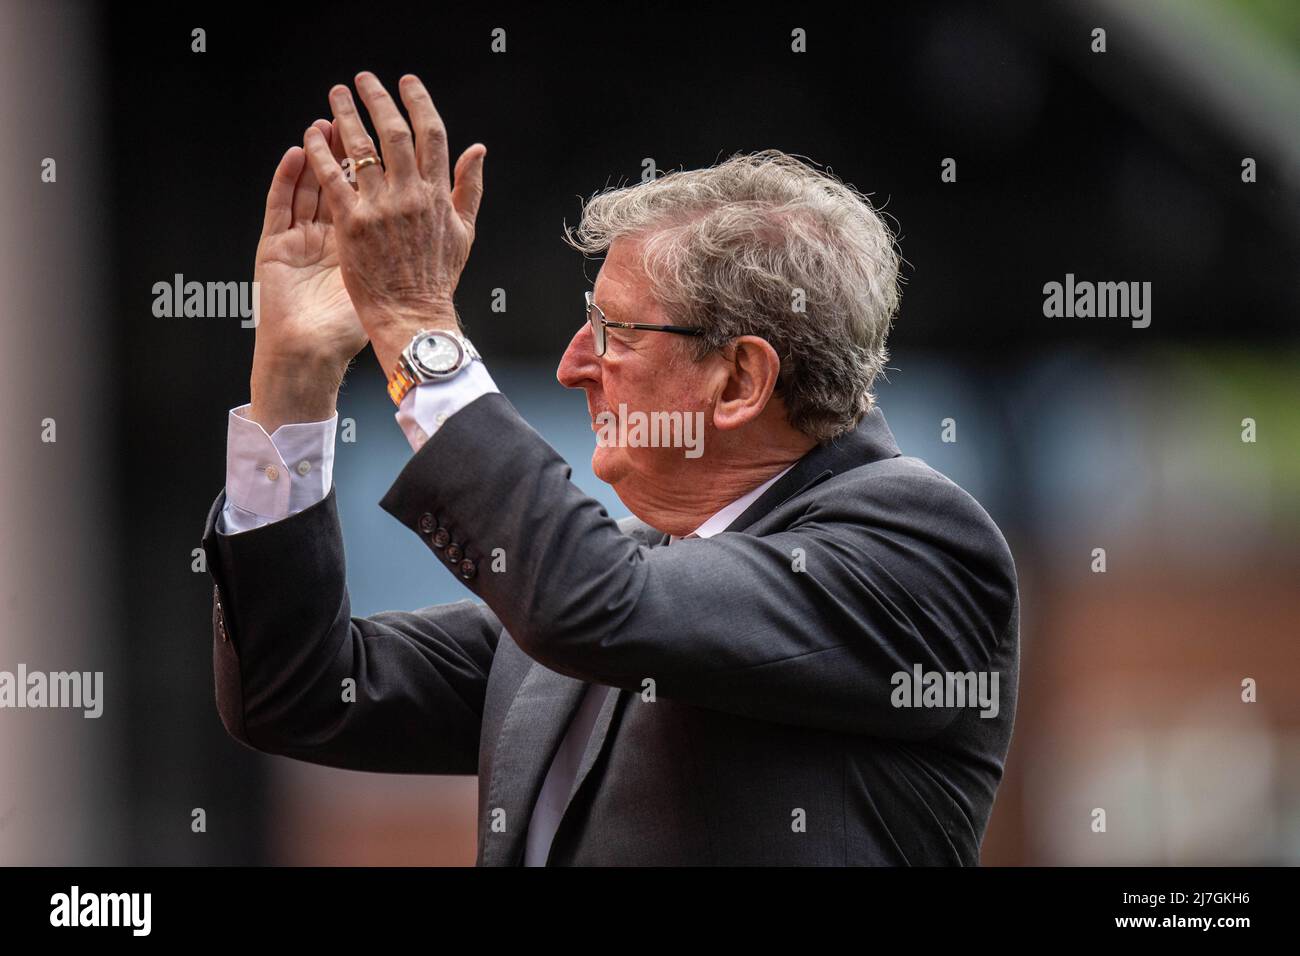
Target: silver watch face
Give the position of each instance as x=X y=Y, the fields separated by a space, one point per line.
x=438 y=354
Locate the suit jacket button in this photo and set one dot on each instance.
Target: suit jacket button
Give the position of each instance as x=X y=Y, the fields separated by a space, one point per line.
x=454 y=553
x=468 y=569
x=441 y=538
x=427 y=523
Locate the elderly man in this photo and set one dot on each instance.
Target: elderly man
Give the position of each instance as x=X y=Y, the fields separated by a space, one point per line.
x=776 y=664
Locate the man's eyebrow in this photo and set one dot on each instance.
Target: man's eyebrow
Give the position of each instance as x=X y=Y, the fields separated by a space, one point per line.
x=612 y=312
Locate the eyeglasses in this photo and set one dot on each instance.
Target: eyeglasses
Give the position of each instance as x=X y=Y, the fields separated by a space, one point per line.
x=596 y=318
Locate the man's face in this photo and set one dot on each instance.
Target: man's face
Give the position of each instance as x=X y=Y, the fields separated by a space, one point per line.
x=641 y=371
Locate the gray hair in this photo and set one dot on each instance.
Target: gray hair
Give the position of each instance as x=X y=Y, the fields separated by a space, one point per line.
x=765 y=244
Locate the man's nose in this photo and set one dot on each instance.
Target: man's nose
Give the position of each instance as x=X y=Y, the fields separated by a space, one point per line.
x=579 y=363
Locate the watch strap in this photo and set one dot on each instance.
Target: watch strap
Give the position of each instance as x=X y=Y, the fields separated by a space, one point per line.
x=400 y=382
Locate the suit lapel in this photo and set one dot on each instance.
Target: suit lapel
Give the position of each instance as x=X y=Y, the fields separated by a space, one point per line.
x=536 y=722
x=595 y=744
x=538 y=718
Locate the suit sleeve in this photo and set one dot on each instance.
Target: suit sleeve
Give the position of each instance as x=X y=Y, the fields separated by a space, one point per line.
x=298 y=675
x=808 y=626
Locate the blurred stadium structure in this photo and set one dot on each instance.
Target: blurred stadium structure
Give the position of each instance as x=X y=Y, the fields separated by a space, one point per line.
x=1074 y=434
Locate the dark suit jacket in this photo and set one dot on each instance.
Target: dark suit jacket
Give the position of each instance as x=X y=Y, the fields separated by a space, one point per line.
x=749 y=718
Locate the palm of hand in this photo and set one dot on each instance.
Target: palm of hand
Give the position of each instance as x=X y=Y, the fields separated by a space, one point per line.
x=301 y=287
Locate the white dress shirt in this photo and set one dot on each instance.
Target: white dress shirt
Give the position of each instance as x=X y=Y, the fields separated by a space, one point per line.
x=271 y=477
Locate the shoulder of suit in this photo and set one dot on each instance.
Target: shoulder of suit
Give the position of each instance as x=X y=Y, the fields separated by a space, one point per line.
x=634 y=526
x=898 y=485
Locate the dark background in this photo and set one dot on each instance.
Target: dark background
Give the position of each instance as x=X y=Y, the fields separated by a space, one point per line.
x=1122 y=166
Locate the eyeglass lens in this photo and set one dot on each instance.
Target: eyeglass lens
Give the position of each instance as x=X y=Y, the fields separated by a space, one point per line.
x=597 y=327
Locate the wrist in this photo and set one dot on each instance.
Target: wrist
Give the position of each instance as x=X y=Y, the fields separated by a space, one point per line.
x=392 y=339
x=391 y=329
x=284 y=393
x=391 y=322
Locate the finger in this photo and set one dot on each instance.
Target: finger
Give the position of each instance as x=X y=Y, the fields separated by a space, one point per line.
x=279 y=199
x=336 y=147
x=469 y=183
x=356 y=142
x=430 y=133
x=394 y=135
x=337 y=191
x=336 y=143
x=323 y=211
x=306 y=195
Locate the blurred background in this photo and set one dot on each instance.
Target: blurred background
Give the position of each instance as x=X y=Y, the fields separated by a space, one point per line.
x=1076 y=434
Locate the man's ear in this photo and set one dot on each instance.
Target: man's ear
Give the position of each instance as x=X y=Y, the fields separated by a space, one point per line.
x=751 y=367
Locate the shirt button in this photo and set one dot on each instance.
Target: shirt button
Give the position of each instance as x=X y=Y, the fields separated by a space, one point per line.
x=304 y=467
x=454 y=553
x=441 y=538
x=272 y=472
x=441 y=418
x=468 y=569
x=426 y=523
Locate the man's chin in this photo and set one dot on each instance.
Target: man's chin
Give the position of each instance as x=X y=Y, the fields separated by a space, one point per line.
x=607 y=464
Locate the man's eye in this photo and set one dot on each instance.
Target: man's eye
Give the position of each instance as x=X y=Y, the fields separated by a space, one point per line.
x=629 y=343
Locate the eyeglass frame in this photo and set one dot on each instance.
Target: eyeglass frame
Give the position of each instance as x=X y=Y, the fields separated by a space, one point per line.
x=601 y=338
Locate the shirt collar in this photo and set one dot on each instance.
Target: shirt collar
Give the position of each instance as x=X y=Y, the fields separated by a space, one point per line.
x=722 y=519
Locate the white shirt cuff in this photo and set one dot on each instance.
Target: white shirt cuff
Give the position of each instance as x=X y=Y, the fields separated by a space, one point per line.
x=427 y=407
x=270 y=477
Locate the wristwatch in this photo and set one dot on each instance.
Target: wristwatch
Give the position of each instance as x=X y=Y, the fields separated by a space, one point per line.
x=433 y=355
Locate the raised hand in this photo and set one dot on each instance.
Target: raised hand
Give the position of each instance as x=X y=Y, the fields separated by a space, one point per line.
x=305 y=309
x=307 y=330
x=404 y=234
